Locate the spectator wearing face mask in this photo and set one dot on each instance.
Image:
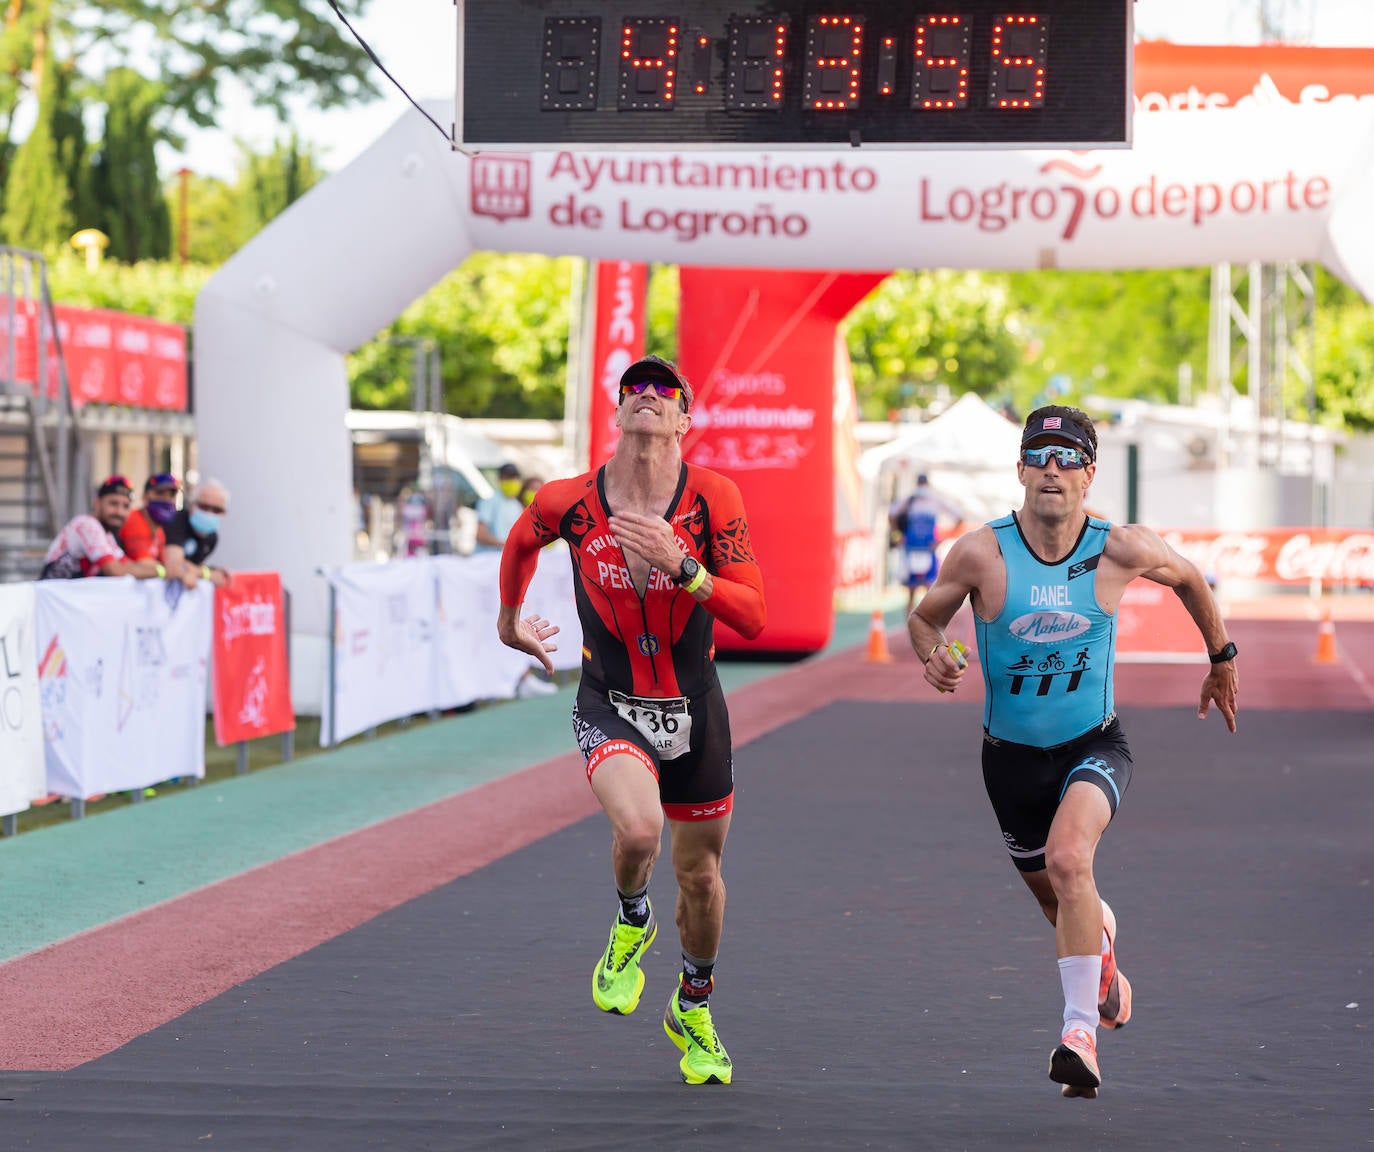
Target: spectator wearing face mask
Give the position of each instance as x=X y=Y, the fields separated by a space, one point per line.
x=144 y=535
x=497 y=513
x=193 y=533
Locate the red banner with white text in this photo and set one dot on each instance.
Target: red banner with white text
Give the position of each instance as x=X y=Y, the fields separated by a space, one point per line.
x=112 y=357
x=252 y=676
x=617 y=343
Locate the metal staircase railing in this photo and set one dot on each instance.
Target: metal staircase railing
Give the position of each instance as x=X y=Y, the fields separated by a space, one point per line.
x=40 y=455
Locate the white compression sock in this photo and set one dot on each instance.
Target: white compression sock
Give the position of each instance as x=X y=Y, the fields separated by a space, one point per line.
x=1080 y=976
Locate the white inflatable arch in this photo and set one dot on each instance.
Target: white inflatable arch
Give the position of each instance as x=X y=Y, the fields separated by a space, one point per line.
x=272 y=327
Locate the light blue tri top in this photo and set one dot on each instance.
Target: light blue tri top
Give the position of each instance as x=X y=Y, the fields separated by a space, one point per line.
x=1048 y=655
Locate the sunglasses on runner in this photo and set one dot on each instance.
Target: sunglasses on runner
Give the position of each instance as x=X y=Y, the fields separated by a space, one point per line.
x=662 y=387
x=1063 y=456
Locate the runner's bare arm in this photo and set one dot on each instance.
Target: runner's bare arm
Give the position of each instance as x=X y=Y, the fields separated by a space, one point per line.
x=959 y=576
x=1135 y=549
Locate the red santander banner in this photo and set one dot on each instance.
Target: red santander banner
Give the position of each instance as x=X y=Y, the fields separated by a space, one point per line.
x=618 y=342
x=112 y=357
x=252 y=678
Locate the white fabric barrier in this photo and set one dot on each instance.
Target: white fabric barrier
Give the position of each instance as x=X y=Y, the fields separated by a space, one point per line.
x=21 y=725
x=383 y=650
x=122 y=672
x=419 y=634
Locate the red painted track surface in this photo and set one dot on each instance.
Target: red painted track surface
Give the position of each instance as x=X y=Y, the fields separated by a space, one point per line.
x=88 y=995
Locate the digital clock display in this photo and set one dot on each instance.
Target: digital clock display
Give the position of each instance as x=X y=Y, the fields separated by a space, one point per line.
x=757 y=73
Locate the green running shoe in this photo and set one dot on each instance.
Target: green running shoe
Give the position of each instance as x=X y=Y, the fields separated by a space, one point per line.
x=704 y=1059
x=617 y=981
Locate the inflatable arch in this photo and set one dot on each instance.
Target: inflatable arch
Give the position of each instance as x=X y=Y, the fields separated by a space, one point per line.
x=272 y=327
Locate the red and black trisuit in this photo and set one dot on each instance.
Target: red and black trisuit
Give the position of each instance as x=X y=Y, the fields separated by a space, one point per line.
x=649 y=686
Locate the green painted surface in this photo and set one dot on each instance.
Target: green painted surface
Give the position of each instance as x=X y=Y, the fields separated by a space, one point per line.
x=65 y=879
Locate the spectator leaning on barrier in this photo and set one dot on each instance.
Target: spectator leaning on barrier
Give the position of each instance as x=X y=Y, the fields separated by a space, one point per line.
x=193 y=533
x=86 y=546
x=144 y=535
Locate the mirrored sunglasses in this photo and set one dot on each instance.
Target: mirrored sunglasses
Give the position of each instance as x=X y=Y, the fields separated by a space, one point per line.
x=662 y=387
x=1063 y=456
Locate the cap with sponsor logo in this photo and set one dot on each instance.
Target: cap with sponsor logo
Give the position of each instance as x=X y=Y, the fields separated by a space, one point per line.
x=161 y=480
x=1061 y=428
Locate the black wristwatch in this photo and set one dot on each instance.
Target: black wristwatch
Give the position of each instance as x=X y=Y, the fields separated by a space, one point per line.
x=1227 y=653
x=689 y=570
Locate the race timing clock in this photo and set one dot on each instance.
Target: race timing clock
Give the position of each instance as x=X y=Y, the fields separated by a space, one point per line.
x=557 y=74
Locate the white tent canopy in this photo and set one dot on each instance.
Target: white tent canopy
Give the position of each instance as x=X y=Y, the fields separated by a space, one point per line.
x=968 y=452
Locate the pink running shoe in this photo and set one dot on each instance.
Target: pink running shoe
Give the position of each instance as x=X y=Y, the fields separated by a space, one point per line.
x=1114 y=993
x=1074 y=1062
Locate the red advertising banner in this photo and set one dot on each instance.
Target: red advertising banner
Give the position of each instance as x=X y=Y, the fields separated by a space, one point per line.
x=252 y=677
x=618 y=342
x=759 y=348
x=112 y=357
x=1279 y=555
x=1187 y=77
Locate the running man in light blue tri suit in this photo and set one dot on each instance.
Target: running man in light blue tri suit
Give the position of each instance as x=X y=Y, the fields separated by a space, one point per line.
x=1044 y=584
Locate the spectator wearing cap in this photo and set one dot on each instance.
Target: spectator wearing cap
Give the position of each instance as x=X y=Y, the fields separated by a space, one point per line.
x=86 y=546
x=144 y=534
x=193 y=533
x=497 y=513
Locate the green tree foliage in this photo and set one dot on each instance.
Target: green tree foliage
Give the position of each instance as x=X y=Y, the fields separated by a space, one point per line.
x=1344 y=376
x=920 y=330
x=132 y=210
x=501 y=323
x=279 y=50
x=162 y=290
x=1121 y=334
x=221 y=217
x=38 y=201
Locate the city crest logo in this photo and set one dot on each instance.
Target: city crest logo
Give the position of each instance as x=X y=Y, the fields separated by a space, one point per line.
x=501 y=186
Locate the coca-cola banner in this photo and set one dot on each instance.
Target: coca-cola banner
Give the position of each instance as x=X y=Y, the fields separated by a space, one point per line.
x=1279 y=555
x=111 y=357
x=252 y=676
x=618 y=343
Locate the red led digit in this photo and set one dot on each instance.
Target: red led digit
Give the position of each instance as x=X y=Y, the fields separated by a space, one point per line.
x=834 y=47
x=1019 y=51
x=755 y=76
x=941 y=58
x=648 y=63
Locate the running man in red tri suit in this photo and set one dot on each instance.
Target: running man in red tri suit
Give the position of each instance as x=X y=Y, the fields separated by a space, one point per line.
x=660 y=550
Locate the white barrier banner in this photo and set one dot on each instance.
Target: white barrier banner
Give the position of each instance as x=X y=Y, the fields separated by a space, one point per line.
x=383 y=651
x=471 y=663
x=21 y=726
x=122 y=679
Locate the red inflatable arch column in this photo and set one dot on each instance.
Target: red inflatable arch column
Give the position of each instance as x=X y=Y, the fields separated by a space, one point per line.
x=759 y=348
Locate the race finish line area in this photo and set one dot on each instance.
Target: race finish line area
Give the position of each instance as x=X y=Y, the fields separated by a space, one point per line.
x=885 y=980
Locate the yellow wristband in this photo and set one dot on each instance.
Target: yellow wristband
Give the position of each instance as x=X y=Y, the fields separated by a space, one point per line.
x=696 y=581
x=205 y=571
x=160 y=570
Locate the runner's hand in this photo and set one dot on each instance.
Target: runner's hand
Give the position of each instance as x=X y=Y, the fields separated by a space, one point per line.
x=1220 y=687
x=651 y=537
x=532 y=635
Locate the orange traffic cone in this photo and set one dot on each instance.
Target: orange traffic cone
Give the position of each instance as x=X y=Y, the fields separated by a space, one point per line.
x=1326 y=641
x=877 y=641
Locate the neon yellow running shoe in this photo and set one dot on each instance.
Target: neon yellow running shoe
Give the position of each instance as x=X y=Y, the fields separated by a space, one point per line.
x=704 y=1059
x=617 y=981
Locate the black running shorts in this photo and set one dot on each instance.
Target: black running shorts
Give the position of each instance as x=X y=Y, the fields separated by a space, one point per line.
x=1026 y=784
x=697 y=785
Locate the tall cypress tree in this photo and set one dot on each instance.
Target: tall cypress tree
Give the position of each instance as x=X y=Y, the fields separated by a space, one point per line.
x=38 y=211
x=131 y=205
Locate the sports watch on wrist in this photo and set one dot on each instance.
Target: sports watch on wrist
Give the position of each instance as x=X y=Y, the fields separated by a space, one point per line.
x=690 y=568
x=1227 y=653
